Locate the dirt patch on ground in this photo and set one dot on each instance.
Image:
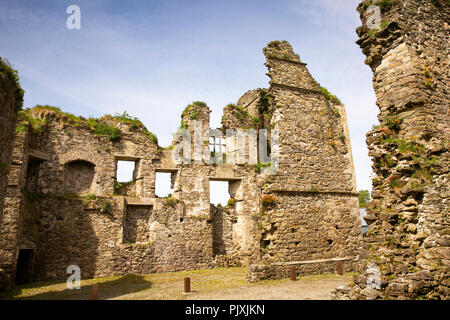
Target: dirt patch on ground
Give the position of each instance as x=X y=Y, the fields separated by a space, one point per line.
x=302 y=289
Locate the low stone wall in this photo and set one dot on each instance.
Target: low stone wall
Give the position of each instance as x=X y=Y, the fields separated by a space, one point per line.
x=258 y=272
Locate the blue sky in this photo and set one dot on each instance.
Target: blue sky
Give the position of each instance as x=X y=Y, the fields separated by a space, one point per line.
x=152 y=58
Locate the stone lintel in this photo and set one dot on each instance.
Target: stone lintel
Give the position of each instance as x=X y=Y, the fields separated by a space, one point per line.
x=303 y=90
x=287 y=60
x=314 y=192
x=126 y=157
x=225 y=178
x=38 y=155
x=167 y=170
x=132 y=201
x=291 y=263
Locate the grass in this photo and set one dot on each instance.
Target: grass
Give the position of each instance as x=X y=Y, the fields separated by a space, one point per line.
x=329 y=96
x=405 y=146
x=106 y=205
x=191 y=107
x=386 y=5
x=100 y=127
x=90 y=197
x=156 y=286
x=171 y=201
x=373 y=32
x=135 y=123
x=241 y=113
x=260 y=165
x=151 y=136
x=266 y=101
x=27 y=122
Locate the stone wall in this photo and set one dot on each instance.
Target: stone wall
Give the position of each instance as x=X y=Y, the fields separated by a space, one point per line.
x=84 y=233
x=408 y=238
x=11 y=223
x=11 y=100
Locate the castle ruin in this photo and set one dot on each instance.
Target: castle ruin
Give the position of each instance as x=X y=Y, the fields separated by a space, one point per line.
x=63 y=205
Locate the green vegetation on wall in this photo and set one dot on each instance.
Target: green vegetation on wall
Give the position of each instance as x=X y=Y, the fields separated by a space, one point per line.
x=363 y=197
x=191 y=112
x=105 y=126
x=242 y=114
x=135 y=123
x=386 y=5
x=9 y=84
x=329 y=96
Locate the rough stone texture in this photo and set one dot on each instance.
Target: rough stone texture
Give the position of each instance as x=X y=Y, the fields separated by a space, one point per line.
x=223 y=220
x=64 y=202
x=11 y=100
x=10 y=103
x=408 y=237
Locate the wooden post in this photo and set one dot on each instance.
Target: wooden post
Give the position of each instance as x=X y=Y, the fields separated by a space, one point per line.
x=94 y=294
x=187 y=285
x=339 y=270
x=293 y=273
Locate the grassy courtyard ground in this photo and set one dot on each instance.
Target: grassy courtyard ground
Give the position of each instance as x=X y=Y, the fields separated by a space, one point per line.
x=222 y=283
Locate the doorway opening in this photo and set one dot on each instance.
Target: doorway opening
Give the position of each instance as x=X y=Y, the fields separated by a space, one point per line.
x=24 y=266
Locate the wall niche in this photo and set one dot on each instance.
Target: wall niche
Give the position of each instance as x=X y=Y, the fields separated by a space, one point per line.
x=79 y=175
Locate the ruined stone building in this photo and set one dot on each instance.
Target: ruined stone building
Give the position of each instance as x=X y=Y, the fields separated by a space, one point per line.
x=409 y=232
x=64 y=206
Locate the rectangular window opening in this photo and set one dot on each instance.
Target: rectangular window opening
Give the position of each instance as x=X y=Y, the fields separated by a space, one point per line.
x=164 y=184
x=217 y=145
x=219 y=193
x=126 y=171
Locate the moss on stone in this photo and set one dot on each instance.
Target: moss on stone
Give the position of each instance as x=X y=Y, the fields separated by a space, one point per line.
x=386 y=5
x=241 y=113
x=191 y=112
x=329 y=96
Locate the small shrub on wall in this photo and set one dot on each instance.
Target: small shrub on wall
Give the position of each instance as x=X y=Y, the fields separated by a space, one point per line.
x=268 y=201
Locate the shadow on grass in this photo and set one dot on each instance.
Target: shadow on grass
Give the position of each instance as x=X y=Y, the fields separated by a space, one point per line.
x=106 y=290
